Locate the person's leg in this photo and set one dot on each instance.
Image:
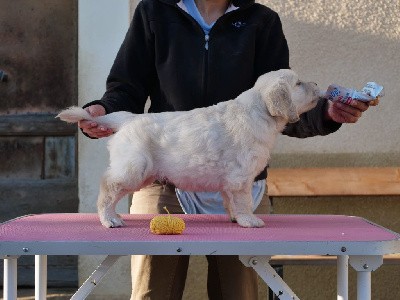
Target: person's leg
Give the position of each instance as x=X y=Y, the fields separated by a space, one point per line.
x=155 y=276
x=228 y=278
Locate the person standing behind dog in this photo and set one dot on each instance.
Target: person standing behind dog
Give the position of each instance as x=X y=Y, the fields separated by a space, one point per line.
x=188 y=54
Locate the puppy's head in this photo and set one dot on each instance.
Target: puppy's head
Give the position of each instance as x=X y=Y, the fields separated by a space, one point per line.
x=285 y=95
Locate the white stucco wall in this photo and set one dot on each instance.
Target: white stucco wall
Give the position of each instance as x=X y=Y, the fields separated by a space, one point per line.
x=348 y=43
x=343 y=42
x=102 y=27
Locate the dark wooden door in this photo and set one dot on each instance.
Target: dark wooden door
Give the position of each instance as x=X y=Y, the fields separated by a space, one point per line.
x=38 y=77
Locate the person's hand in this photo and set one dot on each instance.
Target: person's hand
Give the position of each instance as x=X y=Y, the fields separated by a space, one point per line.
x=91 y=128
x=347 y=113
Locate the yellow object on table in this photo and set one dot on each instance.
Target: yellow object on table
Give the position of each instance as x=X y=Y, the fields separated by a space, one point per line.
x=167 y=224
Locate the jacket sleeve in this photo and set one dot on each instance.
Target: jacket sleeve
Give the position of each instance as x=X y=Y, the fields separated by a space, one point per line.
x=274 y=55
x=312 y=123
x=272 y=49
x=128 y=83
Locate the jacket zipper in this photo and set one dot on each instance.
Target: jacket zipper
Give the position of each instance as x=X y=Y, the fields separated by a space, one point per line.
x=206 y=57
x=206 y=53
x=205 y=70
x=206 y=38
x=204 y=75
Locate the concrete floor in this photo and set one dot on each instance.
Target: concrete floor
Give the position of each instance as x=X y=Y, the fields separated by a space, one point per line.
x=53 y=294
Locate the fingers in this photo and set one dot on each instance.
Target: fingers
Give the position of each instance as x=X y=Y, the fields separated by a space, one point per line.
x=91 y=128
x=359 y=105
x=350 y=112
x=374 y=102
x=86 y=125
x=96 y=110
x=101 y=132
x=347 y=113
x=344 y=113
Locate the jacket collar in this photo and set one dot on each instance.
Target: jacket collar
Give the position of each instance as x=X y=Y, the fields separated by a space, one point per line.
x=237 y=3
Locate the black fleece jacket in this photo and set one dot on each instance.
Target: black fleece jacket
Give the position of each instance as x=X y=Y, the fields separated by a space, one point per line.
x=167 y=56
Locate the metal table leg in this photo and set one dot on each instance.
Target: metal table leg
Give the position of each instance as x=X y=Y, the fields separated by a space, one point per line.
x=261 y=265
x=363 y=285
x=94 y=279
x=343 y=277
x=364 y=265
x=40 y=277
x=10 y=278
x=279 y=270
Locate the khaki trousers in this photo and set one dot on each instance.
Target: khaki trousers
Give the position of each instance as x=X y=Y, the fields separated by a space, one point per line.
x=163 y=276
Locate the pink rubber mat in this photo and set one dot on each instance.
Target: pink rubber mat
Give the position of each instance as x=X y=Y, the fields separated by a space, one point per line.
x=86 y=227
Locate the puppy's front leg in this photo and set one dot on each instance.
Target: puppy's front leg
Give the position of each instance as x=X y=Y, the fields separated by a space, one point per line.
x=242 y=208
x=227 y=198
x=110 y=194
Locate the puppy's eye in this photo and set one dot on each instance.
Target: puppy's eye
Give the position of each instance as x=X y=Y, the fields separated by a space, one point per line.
x=298 y=82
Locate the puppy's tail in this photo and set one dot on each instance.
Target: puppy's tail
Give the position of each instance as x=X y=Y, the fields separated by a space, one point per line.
x=115 y=120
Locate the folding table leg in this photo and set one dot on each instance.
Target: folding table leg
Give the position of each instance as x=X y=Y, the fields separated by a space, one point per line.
x=364 y=265
x=10 y=278
x=343 y=277
x=363 y=285
x=261 y=265
x=279 y=270
x=94 y=279
x=40 y=277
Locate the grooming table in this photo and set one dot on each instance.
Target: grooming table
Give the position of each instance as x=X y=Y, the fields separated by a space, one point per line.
x=353 y=240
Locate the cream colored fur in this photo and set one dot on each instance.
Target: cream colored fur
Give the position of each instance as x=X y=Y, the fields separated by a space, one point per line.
x=217 y=148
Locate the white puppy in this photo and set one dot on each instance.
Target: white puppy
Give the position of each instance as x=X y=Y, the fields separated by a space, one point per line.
x=217 y=148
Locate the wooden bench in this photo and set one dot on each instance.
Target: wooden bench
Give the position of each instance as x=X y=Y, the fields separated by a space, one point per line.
x=313 y=182
x=334 y=182
x=309 y=182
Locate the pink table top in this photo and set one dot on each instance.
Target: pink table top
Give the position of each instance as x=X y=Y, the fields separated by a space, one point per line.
x=300 y=231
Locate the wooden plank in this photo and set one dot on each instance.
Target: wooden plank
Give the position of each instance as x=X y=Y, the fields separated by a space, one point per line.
x=334 y=181
x=22 y=197
x=59 y=158
x=21 y=157
x=38 y=51
x=34 y=125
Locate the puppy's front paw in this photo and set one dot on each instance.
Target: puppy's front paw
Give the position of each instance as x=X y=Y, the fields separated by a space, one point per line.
x=112 y=222
x=249 y=221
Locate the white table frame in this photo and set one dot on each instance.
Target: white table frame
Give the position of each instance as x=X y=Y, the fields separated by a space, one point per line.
x=363 y=264
x=364 y=257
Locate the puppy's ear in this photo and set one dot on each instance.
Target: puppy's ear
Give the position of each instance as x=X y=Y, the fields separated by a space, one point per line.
x=279 y=103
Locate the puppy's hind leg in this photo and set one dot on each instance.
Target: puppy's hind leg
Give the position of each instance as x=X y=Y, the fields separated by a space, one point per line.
x=122 y=177
x=110 y=193
x=242 y=204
